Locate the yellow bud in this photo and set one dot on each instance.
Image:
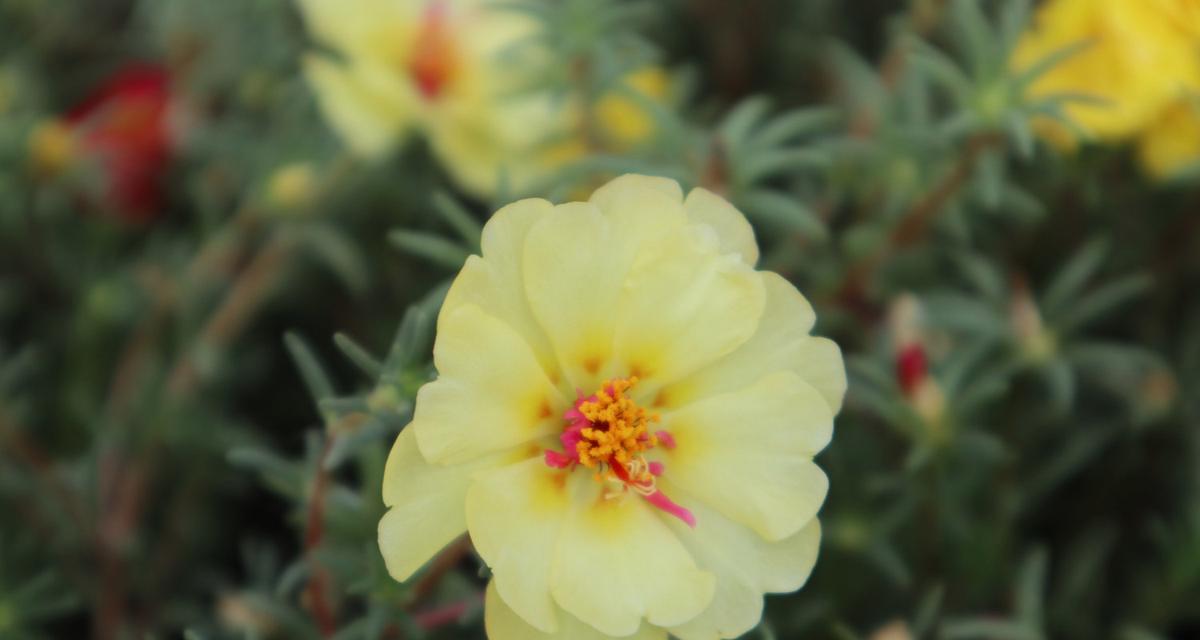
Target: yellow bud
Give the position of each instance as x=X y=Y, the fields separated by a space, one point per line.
x=626 y=120
x=1158 y=392
x=930 y=404
x=237 y=612
x=292 y=186
x=384 y=398
x=51 y=147
x=895 y=630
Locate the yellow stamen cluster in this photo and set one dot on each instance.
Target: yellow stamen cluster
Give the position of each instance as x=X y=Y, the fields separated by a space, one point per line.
x=622 y=428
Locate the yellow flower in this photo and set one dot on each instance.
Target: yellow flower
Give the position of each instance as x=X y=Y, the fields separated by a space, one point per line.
x=458 y=72
x=1171 y=144
x=626 y=120
x=1141 y=57
x=450 y=69
x=52 y=147
x=1184 y=13
x=624 y=421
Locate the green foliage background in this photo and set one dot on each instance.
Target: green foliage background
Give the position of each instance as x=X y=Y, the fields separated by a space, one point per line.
x=164 y=471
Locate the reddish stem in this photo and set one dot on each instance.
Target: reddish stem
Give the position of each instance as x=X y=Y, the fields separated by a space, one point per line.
x=314 y=532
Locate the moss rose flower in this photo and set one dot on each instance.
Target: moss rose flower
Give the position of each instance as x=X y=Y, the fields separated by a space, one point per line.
x=1124 y=39
x=624 y=421
x=459 y=73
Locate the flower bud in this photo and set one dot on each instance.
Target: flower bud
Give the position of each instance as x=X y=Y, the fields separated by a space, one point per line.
x=51 y=147
x=894 y=630
x=1036 y=343
x=292 y=186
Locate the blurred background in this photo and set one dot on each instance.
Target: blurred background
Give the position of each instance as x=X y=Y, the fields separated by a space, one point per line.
x=226 y=226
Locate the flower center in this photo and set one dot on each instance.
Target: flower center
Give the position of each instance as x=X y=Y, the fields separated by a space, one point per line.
x=617 y=427
x=608 y=432
x=433 y=56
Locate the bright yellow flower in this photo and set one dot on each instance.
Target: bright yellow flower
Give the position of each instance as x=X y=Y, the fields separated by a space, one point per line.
x=625 y=120
x=1142 y=57
x=1172 y=143
x=458 y=72
x=624 y=421
x=1184 y=13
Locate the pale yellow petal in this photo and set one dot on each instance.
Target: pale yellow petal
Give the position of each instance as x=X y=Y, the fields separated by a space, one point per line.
x=780 y=343
x=618 y=563
x=614 y=195
x=495 y=283
x=647 y=211
x=573 y=278
x=480 y=126
x=484 y=140
x=734 y=231
x=745 y=565
x=748 y=453
x=502 y=623
x=426 y=505
x=369 y=121
x=684 y=306
x=360 y=26
x=515 y=515
x=491 y=393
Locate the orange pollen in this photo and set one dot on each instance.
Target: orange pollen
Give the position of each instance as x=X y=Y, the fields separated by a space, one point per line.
x=434 y=53
x=621 y=430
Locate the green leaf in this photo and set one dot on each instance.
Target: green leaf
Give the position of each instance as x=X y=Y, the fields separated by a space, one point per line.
x=1083 y=568
x=982 y=446
x=1134 y=632
x=927 y=612
x=973 y=34
x=783 y=210
x=413 y=336
x=958 y=312
x=315 y=379
x=942 y=69
x=990 y=176
x=370 y=433
x=1070 y=458
x=744 y=117
x=1021 y=134
x=768 y=164
x=1031 y=585
x=1109 y=358
x=1014 y=17
x=435 y=249
x=987 y=629
x=984 y=277
x=354 y=352
x=281 y=475
x=458 y=217
x=1069 y=282
x=790 y=125
x=889 y=561
x=1060 y=382
x=338 y=253
x=1102 y=301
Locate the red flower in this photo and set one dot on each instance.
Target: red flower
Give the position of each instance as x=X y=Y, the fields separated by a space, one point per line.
x=123 y=126
x=911 y=367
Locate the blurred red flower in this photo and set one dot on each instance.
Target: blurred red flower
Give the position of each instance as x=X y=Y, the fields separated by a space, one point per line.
x=123 y=126
x=911 y=367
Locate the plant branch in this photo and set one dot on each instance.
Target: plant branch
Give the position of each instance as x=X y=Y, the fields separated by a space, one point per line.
x=916 y=221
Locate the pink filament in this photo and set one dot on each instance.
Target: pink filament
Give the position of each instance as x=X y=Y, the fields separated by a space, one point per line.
x=660 y=500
